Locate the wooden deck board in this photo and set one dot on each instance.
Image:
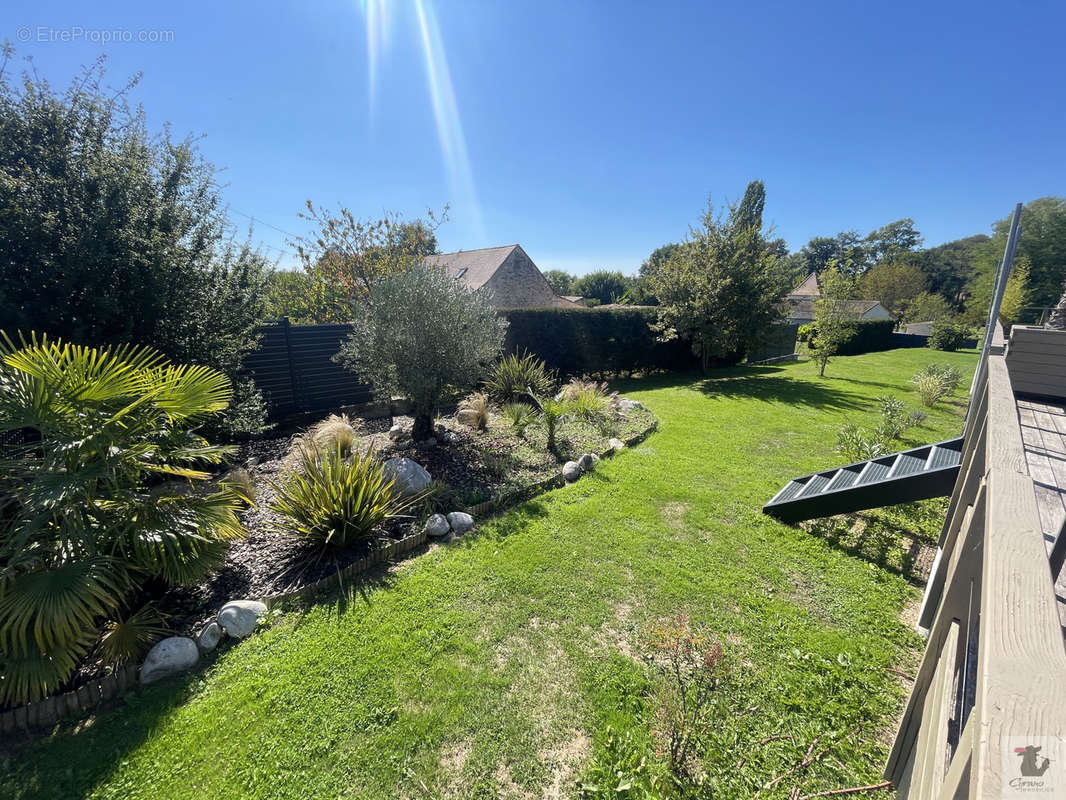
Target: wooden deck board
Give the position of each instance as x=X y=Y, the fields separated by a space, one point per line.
x=1043 y=425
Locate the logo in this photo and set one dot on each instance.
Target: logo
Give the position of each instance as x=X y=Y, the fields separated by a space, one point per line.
x=1033 y=767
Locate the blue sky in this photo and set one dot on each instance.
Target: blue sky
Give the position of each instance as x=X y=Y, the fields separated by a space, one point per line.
x=590 y=132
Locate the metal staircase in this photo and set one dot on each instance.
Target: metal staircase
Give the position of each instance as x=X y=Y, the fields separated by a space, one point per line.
x=918 y=474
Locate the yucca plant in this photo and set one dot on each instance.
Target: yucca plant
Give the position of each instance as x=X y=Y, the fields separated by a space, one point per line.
x=336 y=501
x=520 y=415
x=551 y=416
x=515 y=377
x=85 y=521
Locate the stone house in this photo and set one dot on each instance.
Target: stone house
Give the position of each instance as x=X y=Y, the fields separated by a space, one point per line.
x=507 y=272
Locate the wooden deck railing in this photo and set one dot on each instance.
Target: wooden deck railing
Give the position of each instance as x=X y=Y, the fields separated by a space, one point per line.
x=994 y=670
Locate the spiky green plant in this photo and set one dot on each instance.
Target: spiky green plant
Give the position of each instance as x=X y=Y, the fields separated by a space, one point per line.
x=336 y=501
x=520 y=415
x=130 y=636
x=551 y=416
x=84 y=520
x=515 y=377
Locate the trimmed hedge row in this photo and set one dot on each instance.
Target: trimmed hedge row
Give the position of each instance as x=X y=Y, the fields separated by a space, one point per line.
x=595 y=341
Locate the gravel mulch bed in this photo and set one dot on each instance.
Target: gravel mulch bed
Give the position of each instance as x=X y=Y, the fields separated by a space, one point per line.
x=475 y=465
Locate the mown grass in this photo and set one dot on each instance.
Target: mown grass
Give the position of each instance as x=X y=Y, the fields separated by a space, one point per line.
x=508 y=664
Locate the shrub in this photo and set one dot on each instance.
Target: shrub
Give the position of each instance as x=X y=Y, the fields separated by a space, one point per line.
x=440 y=498
x=520 y=415
x=804 y=333
x=590 y=401
x=858 y=444
x=948 y=336
x=419 y=332
x=935 y=382
x=111 y=233
x=86 y=522
x=478 y=406
x=894 y=420
x=551 y=415
x=516 y=376
x=690 y=665
x=335 y=432
x=335 y=501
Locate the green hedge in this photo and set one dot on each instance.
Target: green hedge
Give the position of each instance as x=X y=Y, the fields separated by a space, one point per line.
x=595 y=341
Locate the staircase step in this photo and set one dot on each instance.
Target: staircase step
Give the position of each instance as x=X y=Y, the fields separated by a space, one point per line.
x=814 y=485
x=907 y=464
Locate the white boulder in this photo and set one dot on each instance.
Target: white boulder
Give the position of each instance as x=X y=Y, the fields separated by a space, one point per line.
x=397 y=433
x=616 y=444
x=460 y=521
x=239 y=617
x=169 y=657
x=209 y=636
x=628 y=405
x=587 y=462
x=571 y=471
x=437 y=526
x=410 y=476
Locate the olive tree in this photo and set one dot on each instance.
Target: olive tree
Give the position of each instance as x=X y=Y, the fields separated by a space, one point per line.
x=421 y=332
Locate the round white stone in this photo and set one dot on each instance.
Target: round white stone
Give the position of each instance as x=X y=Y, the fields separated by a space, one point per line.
x=437 y=526
x=460 y=521
x=169 y=657
x=239 y=617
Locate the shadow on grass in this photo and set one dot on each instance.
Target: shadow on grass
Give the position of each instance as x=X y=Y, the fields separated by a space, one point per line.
x=91 y=747
x=900 y=539
x=766 y=383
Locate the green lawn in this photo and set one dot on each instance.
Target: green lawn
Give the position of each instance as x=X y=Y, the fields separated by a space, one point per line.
x=509 y=664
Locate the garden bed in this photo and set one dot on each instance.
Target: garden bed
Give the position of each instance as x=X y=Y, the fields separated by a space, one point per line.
x=478 y=471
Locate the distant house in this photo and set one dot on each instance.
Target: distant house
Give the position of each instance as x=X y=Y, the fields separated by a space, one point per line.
x=801 y=302
x=507 y=272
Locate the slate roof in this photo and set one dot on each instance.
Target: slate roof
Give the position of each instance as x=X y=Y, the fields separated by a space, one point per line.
x=472 y=267
x=808 y=288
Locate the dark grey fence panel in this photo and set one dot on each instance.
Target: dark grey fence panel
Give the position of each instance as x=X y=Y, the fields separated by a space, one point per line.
x=294 y=368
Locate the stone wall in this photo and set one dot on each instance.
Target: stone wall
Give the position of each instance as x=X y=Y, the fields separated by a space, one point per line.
x=519 y=284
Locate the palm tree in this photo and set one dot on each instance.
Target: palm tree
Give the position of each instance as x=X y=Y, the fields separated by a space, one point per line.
x=98 y=500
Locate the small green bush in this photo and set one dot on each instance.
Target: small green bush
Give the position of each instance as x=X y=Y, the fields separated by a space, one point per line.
x=520 y=415
x=336 y=502
x=858 y=444
x=935 y=382
x=948 y=336
x=515 y=376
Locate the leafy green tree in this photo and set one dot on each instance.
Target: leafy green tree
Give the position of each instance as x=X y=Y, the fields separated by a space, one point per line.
x=927 y=307
x=561 y=281
x=1016 y=292
x=894 y=284
x=1043 y=242
x=348 y=256
x=891 y=241
x=721 y=289
x=605 y=286
x=421 y=332
x=834 y=321
x=846 y=250
x=110 y=234
x=949 y=267
x=86 y=519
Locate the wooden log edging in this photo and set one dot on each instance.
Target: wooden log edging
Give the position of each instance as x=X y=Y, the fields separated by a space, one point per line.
x=87 y=697
x=36 y=717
